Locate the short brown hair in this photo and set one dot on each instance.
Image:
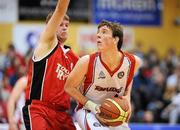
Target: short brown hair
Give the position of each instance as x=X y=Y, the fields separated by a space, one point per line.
x=117 y=31
x=66 y=17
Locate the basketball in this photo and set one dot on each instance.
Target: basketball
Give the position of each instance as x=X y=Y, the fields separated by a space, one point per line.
x=115 y=111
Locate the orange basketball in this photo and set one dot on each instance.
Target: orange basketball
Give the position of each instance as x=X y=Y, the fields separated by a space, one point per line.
x=115 y=111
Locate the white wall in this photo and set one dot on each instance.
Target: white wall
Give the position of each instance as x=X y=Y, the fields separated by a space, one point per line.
x=8 y=11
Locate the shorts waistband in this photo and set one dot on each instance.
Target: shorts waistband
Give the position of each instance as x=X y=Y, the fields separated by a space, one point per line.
x=48 y=104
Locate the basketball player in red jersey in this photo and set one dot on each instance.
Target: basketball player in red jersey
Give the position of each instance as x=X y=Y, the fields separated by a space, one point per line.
x=46 y=101
x=105 y=74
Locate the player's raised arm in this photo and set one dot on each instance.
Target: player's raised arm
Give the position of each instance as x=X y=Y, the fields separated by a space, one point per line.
x=48 y=37
x=49 y=32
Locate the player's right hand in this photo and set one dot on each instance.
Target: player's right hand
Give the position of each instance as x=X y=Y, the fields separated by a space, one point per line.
x=98 y=108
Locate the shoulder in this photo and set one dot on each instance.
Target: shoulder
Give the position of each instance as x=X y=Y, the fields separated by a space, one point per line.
x=83 y=62
x=89 y=58
x=70 y=52
x=21 y=83
x=81 y=66
x=138 y=63
x=66 y=47
x=43 y=50
x=137 y=60
x=84 y=59
x=23 y=80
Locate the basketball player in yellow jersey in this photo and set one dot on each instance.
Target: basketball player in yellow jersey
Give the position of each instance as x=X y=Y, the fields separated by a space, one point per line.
x=105 y=74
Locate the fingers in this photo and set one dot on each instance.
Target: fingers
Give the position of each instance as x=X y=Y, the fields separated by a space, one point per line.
x=123 y=97
x=98 y=108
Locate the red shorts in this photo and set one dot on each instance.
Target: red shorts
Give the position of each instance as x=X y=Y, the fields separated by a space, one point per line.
x=46 y=116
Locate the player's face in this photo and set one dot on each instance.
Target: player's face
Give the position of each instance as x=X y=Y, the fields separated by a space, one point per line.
x=104 y=38
x=62 y=32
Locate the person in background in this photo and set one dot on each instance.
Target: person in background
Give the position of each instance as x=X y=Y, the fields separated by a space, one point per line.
x=15 y=103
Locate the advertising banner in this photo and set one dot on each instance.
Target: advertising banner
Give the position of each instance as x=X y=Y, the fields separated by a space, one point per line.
x=35 y=9
x=25 y=36
x=128 y=12
x=86 y=38
x=39 y=9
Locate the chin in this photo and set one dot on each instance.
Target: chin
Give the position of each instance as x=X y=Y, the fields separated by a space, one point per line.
x=99 y=49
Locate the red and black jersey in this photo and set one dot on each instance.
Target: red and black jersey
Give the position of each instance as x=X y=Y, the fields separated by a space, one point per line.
x=46 y=77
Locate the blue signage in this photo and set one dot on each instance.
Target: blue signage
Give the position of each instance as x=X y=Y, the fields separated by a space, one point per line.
x=154 y=127
x=128 y=12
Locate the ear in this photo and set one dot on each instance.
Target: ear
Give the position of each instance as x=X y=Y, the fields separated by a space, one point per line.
x=116 y=39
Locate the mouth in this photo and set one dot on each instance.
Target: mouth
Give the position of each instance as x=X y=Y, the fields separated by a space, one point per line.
x=63 y=32
x=99 y=42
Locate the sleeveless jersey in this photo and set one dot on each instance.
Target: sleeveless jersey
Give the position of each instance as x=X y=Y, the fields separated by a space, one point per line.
x=102 y=83
x=46 y=77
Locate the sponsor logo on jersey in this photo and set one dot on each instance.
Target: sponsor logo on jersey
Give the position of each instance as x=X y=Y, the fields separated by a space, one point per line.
x=120 y=74
x=108 y=89
x=101 y=75
x=62 y=72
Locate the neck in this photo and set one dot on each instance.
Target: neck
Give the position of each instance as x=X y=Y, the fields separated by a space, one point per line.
x=61 y=40
x=111 y=59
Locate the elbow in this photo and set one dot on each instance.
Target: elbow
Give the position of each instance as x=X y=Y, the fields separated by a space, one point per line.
x=67 y=89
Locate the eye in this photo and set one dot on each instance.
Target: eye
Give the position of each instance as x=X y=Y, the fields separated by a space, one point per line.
x=67 y=25
x=103 y=32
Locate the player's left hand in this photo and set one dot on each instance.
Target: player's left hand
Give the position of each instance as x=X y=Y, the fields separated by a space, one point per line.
x=123 y=97
x=129 y=103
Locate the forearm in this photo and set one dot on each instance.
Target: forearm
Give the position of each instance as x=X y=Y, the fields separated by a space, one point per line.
x=59 y=13
x=76 y=94
x=88 y=104
x=57 y=16
x=62 y=5
x=49 y=32
x=10 y=111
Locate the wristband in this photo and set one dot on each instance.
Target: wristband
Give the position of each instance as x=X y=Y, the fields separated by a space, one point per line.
x=90 y=105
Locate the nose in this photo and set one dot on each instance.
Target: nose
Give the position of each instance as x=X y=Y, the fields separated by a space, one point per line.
x=64 y=27
x=98 y=35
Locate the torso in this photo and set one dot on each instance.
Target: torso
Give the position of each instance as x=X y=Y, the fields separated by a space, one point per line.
x=102 y=83
x=46 y=78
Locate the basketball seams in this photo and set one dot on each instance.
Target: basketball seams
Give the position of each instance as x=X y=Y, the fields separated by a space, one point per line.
x=123 y=114
x=116 y=104
x=109 y=111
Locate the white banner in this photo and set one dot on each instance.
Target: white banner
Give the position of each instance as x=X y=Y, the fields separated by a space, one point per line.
x=86 y=38
x=8 y=11
x=25 y=36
